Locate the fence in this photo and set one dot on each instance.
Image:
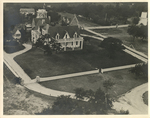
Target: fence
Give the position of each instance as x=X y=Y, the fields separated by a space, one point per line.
x=118 y=68
x=68 y=75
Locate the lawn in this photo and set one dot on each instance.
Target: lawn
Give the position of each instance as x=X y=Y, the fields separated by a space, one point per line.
x=35 y=63
x=123 y=79
x=121 y=33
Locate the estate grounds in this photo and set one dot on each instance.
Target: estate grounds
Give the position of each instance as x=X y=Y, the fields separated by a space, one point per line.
x=35 y=63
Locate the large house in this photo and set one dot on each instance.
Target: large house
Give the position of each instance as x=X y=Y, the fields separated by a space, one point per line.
x=67 y=36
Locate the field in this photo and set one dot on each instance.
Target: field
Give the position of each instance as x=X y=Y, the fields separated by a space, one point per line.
x=35 y=63
x=123 y=79
x=121 y=33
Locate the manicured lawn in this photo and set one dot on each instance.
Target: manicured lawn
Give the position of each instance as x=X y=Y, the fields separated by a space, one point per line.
x=145 y=98
x=121 y=33
x=35 y=63
x=123 y=79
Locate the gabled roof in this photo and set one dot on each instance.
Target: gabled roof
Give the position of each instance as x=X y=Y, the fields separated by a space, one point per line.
x=61 y=30
x=71 y=17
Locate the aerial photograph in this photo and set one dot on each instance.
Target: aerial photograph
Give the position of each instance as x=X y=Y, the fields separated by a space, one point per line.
x=75 y=58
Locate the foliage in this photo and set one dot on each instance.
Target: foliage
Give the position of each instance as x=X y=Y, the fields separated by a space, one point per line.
x=49 y=44
x=64 y=105
x=124 y=112
x=55 y=17
x=80 y=93
x=140 y=70
x=107 y=84
x=105 y=14
x=95 y=99
x=112 y=45
x=135 y=20
x=17 y=80
x=138 y=31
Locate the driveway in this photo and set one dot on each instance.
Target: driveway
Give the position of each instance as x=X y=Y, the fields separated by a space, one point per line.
x=133 y=101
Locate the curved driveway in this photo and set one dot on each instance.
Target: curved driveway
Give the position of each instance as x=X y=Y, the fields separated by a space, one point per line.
x=133 y=101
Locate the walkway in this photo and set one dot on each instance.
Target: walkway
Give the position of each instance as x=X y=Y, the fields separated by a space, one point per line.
x=98 y=34
x=106 y=27
x=95 y=37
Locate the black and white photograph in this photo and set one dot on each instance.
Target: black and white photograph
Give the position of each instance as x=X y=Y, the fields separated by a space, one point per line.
x=75 y=58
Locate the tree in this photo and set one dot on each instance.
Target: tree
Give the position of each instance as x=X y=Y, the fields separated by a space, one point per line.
x=107 y=84
x=65 y=105
x=140 y=31
x=95 y=100
x=112 y=45
x=79 y=93
x=49 y=44
x=140 y=70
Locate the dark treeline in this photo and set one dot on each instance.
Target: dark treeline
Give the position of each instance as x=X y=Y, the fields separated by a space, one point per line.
x=102 y=14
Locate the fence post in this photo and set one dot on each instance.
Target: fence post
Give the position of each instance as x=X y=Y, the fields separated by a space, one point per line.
x=37 y=79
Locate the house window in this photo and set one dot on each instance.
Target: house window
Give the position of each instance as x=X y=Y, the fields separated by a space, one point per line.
x=75 y=35
x=66 y=36
x=57 y=36
x=76 y=42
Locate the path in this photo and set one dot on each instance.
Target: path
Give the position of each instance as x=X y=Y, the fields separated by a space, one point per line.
x=106 y=27
x=133 y=101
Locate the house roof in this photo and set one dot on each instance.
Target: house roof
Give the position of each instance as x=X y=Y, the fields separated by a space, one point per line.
x=27 y=10
x=62 y=30
x=71 y=17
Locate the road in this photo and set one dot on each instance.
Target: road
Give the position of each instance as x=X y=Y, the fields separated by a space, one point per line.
x=133 y=101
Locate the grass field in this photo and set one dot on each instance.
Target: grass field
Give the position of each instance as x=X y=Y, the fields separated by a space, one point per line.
x=123 y=79
x=35 y=63
x=121 y=33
